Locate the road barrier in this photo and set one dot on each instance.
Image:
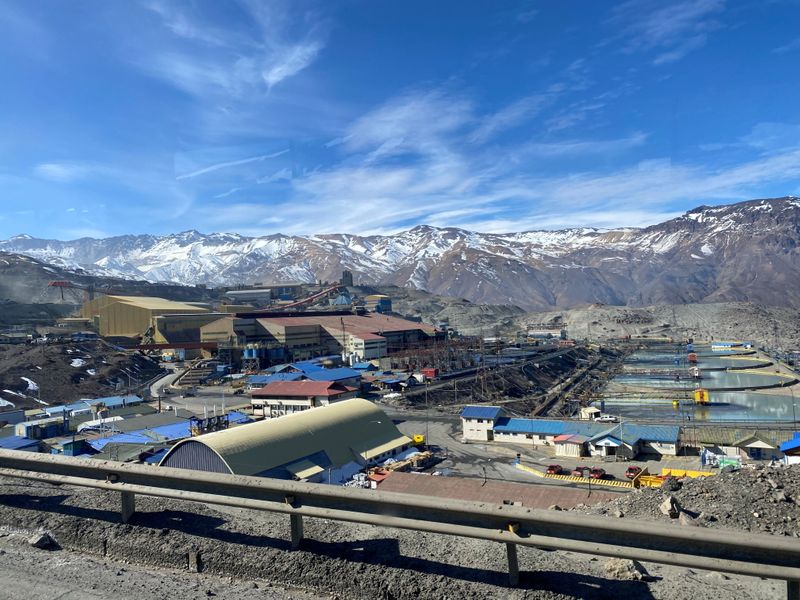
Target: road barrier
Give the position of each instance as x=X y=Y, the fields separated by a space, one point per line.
x=574 y=479
x=755 y=555
x=685 y=473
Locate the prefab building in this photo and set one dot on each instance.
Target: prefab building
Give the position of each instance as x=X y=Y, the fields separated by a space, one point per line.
x=282 y=398
x=131 y=316
x=477 y=422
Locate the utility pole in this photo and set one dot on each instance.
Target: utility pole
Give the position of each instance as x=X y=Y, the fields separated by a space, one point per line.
x=427 y=415
x=344 y=338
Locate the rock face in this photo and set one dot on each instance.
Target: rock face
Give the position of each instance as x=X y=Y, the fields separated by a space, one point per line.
x=740 y=252
x=670 y=507
x=42 y=540
x=618 y=568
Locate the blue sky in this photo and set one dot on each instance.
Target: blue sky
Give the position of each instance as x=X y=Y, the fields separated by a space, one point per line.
x=367 y=116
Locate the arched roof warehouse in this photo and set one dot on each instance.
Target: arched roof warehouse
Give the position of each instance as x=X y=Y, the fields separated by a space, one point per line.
x=300 y=446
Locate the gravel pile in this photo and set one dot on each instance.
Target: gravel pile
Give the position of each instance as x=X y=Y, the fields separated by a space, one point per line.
x=762 y=500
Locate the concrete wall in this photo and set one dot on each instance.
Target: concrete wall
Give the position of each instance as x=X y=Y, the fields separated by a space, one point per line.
x=276 y=407
x=535 y=439
x=660 y=448
x=570 y=450
x=473 y=429
x=181 y=328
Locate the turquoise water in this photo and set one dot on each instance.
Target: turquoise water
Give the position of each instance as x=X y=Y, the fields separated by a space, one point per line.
x=725 y=405
x=711 y=380
x=728 y=406
x=641 y=361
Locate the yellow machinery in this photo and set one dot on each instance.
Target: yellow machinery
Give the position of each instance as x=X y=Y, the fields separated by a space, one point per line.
x=700 y=396
x=418 y=439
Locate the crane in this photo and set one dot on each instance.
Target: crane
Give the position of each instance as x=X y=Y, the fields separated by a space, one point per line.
x=89 y=289
x=62 y=285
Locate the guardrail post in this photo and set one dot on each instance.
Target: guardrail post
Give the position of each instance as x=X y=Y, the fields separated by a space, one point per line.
x=793 y=590
x=128 y=507
x=513 y=564
x=296 y=526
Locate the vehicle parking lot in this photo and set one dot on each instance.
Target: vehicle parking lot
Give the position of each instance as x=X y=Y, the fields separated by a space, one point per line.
x=495 y=460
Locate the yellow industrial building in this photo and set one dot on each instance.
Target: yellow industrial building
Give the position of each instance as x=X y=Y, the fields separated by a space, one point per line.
x=132 y=316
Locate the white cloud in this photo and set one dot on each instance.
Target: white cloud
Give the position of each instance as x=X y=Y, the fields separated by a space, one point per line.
x=788 y=47
x=509 y=117
x=182 y=26
x=228 y=193
x=62 y=172
x=583 y=147
x=773 y=136
x=227 y=61
x=284 y=174
x=290 y=61
x=230 y=163
x=672 y=29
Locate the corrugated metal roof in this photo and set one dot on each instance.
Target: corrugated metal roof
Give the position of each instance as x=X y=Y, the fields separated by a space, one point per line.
x=481 y=412
x=307 y=365
x=332 y=374
x=303 y=469
x=632 y=433
x=628 y=432
x=174 y=431
x=258 y=447
x=723 y=436
x=154 y=303
x=164 y=433
x=265 y=379
x=365 y=366
x=792 y=444
x=301 y=389
x=534 y=426
x=236 y=418
x=149 y=421
x=86 y=403
x=375 y=323
x=16 y=442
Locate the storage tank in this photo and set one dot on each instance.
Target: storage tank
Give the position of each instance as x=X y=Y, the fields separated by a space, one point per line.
x=692 y=358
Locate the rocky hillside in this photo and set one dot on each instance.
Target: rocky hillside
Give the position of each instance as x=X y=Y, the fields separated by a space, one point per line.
x=24 y=280
x=740 y=252
x=770 y=326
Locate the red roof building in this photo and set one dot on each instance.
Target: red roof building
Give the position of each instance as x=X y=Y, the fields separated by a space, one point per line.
x=288 y=397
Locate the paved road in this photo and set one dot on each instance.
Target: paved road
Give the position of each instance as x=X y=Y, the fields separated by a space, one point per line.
x=494 y=460
x=157 y=388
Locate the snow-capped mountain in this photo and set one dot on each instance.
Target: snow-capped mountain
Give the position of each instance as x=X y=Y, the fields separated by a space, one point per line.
x=744 y=251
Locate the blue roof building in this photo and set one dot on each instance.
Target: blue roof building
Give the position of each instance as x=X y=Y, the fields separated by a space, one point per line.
x=262 y=380
x=364 y=366
x=487 y=423
x=86 y=404
x=792 y=447
x=341 y=374
x=16 y=442
x=481 y=412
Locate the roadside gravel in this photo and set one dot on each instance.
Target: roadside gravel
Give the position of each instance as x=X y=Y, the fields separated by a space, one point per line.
x=337 y=560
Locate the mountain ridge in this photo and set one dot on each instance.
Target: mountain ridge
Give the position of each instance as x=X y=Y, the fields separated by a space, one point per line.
x=746 y=251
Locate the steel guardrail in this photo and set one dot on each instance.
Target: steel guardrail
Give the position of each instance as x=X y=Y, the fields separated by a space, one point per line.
x=758 y=555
